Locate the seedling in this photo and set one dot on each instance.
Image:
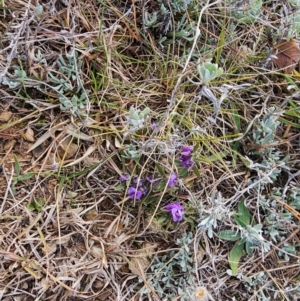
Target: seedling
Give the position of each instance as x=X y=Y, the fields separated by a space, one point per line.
x=248 y=236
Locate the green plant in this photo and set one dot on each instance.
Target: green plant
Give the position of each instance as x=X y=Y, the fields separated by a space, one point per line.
x=208 y=71
x=136 y=120
x=179 y=5
x=269 y=162
x=216 y=211
x=294 y=197
x=37 y=204
x=19 y=177
x=74 y=104
x=19 y=77
x=67 y=80
x=247 y=234
x=245 y=11
x=39 y=11
x=184 y=30
x=170 y=22
x=131 y=152
x=294 y=3
x=291 y=28
x=173 y=274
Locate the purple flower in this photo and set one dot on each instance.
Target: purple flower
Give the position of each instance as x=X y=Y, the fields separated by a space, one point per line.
x=124 y=178
x=186 y=161
x=133 y=193
x=144 y=191
x=152 y=181
x=187 y=150
x=186 y=156
x=149 y=179
x=172 y=180
x=177 y=211
x=153 y=125
x=138 y=182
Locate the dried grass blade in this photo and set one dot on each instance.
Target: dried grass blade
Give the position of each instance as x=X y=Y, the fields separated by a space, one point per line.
x=87 y=153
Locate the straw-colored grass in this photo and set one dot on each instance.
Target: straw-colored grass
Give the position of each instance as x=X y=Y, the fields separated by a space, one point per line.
x=70 y=72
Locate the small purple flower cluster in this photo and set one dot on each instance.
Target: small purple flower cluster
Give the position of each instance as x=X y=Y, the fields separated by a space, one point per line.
x=177 y=211
x=186 y=157
x=172 y=180
x=134 y=192
x=139 y=187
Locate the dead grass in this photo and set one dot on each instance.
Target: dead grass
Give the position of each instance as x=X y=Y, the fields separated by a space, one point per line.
x=67 y=231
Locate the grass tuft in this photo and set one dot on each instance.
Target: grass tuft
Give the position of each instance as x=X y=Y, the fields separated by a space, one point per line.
x=149 y=150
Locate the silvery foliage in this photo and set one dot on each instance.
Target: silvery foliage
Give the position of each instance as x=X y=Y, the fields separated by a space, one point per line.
x=276 y=221
x=294 y=197
x=287 y=249
x=39 y=11
x=131 y=152
x=74 y=104
x=186 y=32
x=180 y=5
x=215 y=211
x=271 y=164
x=136 y=120
x=268 y=166
x=62 y=82
x=207 y=72
x=152 y=20
x=244 y=11
x=173 y=274
x=254 y=280
x=291 y=290
x=251 y=284
x=70 y=68
x=163 y=20
x=253 y=235
x=291 y=28
x=294 y=3
x=17 y=80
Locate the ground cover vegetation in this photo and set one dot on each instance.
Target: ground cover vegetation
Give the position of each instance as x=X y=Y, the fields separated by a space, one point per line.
x=149 y=150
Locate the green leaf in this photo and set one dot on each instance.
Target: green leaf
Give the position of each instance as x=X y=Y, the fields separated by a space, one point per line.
x=17 y=166
x=37 y=204
x=230 y=235
x=249 y=248
x=145 y=111
x=120 y=187
x=234 y=257
x=160 y=170
x=190 y=221
x=160 y=186
x=246 y=161
x=240 y=222
x=184 y=172
x=134 y=114
x=244 y=216
x=196 y=171
x=217 y=156
x=26 y=176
